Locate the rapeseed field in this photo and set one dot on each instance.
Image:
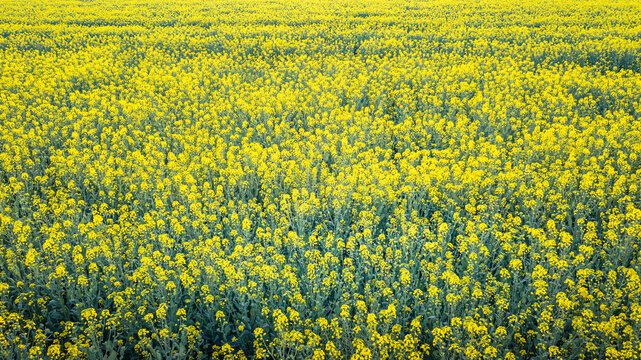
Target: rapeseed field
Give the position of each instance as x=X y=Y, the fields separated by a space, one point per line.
x=356 y=180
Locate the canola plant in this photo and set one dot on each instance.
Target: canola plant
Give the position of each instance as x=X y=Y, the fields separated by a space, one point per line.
x=343 y=179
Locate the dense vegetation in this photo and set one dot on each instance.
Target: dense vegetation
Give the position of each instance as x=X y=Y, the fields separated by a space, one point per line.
x=320 y=180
